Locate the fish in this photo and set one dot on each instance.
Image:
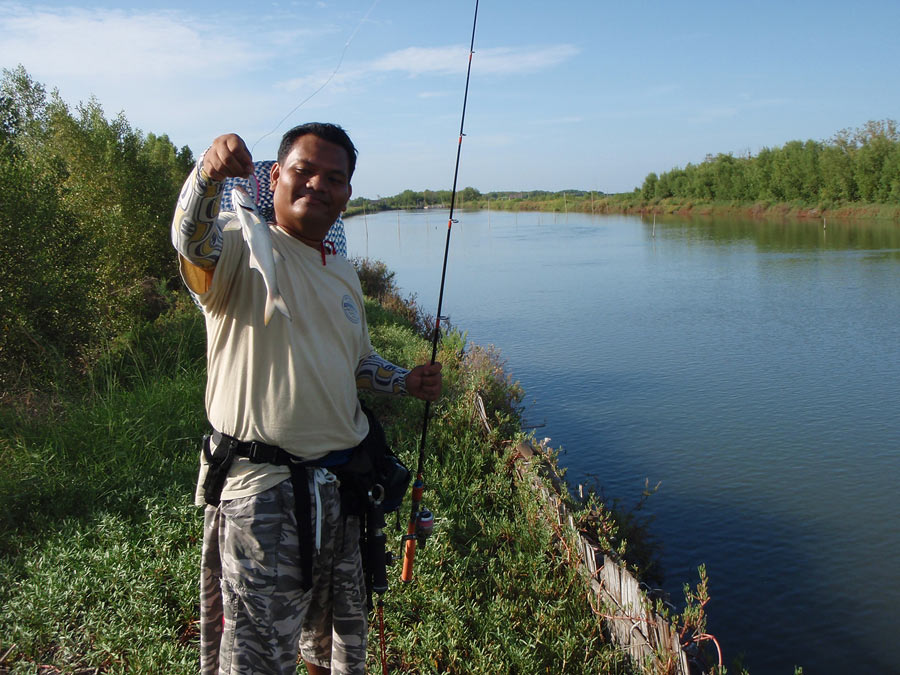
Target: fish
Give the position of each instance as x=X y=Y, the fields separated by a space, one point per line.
x=262 y=255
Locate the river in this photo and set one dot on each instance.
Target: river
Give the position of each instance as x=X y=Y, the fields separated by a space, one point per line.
x=749 y=368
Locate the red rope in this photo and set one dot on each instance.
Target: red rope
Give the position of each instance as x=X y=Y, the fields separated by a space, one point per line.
x=706 y=636
x=384 y=667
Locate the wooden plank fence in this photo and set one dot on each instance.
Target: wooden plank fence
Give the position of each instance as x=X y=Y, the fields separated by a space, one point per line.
x=627 y=614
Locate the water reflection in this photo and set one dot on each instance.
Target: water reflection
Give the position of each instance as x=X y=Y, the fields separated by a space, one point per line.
x=788 y=235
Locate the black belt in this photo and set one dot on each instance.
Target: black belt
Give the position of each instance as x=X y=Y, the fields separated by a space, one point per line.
x=263 y=453
x=228 y=447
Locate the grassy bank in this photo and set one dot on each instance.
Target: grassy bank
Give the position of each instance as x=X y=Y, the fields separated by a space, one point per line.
x=99 y=558
x=848 y=212
x=633 y=203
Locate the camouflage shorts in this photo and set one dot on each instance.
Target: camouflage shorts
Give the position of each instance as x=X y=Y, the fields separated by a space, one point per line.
x=250 y=575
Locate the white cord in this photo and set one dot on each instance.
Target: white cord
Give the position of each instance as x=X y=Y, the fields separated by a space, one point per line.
x=324 y=84
x=321 y=476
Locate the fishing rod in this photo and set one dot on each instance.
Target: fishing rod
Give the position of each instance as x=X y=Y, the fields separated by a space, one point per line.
x=421 y=521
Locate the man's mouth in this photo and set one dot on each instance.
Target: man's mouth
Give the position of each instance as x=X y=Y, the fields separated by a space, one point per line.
x=312 y=199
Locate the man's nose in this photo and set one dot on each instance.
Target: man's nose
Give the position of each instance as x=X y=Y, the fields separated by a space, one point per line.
x=314 y=182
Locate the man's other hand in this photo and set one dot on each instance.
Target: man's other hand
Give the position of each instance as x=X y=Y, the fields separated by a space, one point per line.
x=425 y=382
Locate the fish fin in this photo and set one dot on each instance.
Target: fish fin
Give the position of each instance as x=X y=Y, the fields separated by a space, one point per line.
x=281 y=306
x=254 y=265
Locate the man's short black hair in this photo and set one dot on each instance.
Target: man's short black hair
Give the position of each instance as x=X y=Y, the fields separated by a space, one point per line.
x=327 y=132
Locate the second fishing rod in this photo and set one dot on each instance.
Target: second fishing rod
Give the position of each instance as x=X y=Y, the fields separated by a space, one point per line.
x=421 y=521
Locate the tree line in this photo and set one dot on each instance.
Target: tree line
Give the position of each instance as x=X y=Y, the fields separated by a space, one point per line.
x=470 y=197
x=85 y=203
x=856 y=165
x=411 y=199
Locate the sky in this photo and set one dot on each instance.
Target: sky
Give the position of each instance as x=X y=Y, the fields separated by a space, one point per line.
x=589 y=95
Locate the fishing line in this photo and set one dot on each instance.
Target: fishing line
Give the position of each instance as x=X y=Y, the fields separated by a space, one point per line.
x=324 y=84
x=421 y=520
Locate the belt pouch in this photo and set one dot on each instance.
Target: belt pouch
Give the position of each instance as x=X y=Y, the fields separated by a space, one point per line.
x=219 y=461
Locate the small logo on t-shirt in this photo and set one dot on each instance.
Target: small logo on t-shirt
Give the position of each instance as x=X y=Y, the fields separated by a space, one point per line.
x=350 y=310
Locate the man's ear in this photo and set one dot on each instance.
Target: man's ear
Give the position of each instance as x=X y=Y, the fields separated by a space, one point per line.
x=274 y=173
x=349 y=194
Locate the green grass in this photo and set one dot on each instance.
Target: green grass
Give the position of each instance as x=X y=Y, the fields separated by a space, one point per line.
x=100 y=549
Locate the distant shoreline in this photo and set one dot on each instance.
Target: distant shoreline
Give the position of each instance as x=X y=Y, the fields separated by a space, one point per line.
x=850 y=213
x=628 y=204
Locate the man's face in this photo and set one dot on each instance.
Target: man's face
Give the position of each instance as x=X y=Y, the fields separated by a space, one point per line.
x=312 y=187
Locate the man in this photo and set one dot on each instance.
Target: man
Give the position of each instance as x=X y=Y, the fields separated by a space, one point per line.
x=288 y=388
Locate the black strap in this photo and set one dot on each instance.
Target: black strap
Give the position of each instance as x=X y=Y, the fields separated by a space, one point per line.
x=304 y=527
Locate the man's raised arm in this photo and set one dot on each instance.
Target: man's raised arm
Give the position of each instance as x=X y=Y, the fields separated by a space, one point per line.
x=196 y=232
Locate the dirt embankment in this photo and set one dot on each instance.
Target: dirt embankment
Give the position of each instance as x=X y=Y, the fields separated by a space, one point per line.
x=764 y=210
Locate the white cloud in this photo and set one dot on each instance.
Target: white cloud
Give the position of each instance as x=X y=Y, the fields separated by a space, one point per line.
x=169 y=71
x=419 y=60
x=507 y=60
x=195 y=74
x=416 y=61
x=496 y=60
x=113 y=44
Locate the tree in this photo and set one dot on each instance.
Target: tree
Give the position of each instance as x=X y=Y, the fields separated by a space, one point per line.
x=838 y=180
x=469 y=194
x=890 y=175
x=869 y=167
x=730 y=179
x=648 y=191
x=83 y=227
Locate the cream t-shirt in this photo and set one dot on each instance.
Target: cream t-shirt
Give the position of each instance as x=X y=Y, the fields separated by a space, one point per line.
x=292 y=383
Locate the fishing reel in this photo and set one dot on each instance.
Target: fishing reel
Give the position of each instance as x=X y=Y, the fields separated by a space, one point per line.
x=424 y=527
x=421 y=524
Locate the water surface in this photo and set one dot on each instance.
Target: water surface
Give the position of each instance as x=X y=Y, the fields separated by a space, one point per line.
x=750 y=368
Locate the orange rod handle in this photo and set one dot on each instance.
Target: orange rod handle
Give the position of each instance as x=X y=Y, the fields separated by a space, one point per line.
x=409 y=554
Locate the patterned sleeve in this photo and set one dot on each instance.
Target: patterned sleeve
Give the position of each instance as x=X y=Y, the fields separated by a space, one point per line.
x=375 y=373
x=196 y=232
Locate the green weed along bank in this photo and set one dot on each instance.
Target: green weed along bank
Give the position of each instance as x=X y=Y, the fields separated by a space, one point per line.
x=99 y=560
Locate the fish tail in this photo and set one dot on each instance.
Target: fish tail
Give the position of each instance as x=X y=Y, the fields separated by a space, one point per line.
x=274 y=302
